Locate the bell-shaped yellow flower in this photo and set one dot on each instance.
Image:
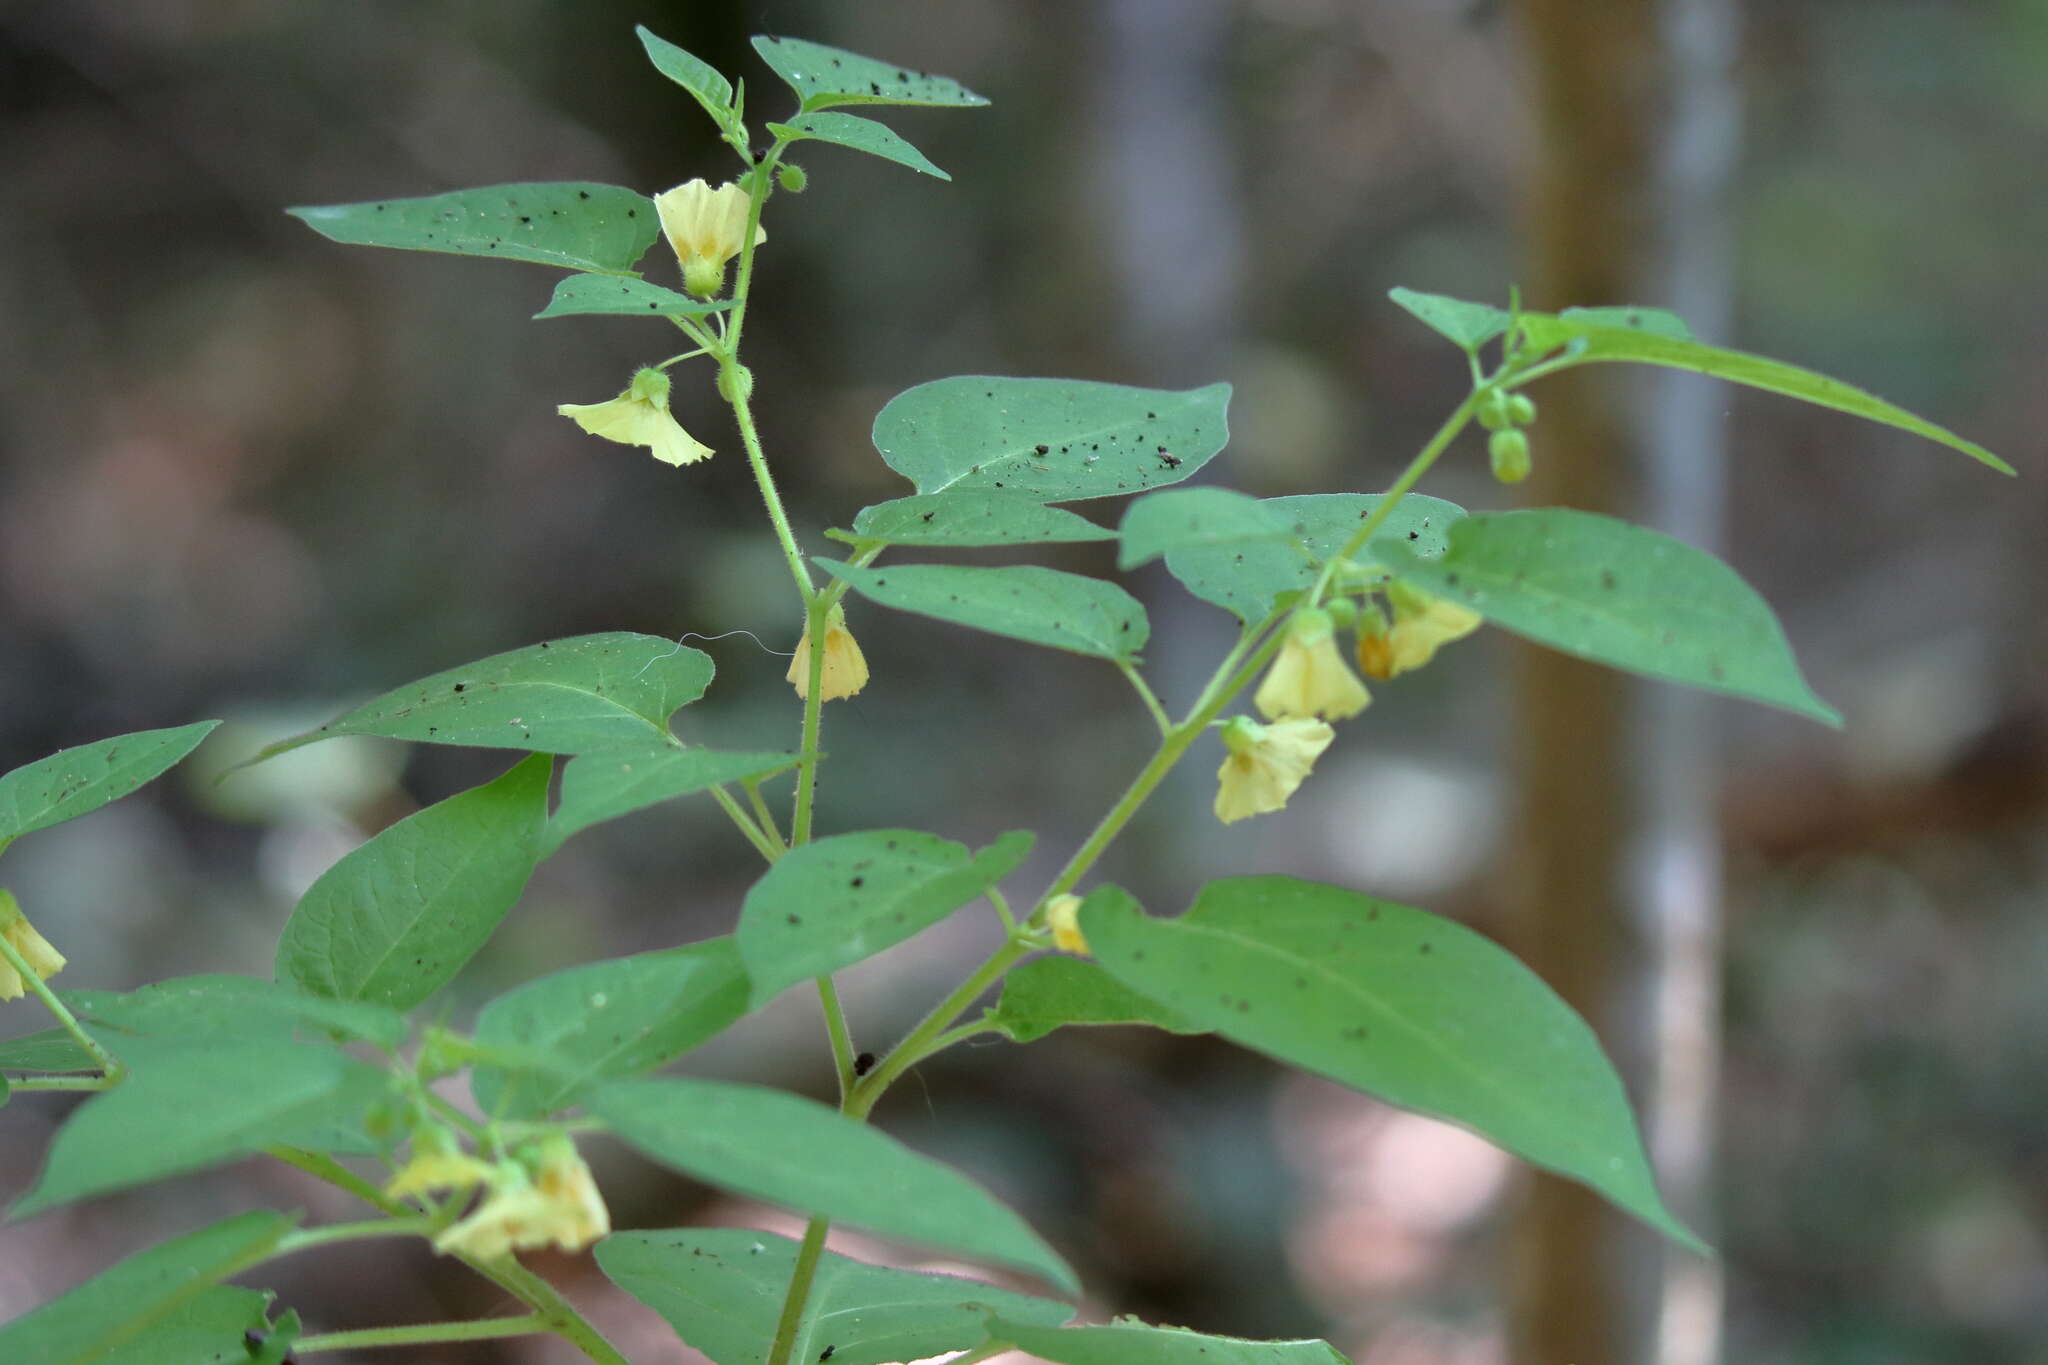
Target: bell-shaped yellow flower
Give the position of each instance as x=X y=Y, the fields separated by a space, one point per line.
x=1266 y=763
x=845 y=670
x=1309 y=677
x=557 y=1205
x=707 y=228
x=640 y=417
x=35 y=950
x=1063 y=917
x=1421 y=624
x=438 y=1163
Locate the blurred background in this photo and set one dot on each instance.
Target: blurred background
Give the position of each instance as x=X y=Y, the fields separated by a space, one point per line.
x=247 y=473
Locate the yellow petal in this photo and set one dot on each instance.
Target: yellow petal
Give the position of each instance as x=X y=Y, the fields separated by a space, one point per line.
x=845 y=670
x=1309 y=676
x=1265 y=764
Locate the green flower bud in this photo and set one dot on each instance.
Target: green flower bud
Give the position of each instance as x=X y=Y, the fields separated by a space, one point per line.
x=1509 y=451
x=1343 y=612
x=1521 y=409
x=792 y=178
x=735 y=384
x=1495 y=413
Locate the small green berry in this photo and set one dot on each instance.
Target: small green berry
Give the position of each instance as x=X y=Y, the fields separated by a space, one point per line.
x=1495 y=413
x=1509 y=452
x=792 y=178
x=1521 y=410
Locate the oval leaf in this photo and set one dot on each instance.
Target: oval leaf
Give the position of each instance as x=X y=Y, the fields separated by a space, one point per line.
x=610 y=783
x=972 y=519
x=721 y=1289
x=768 y=1144
x=823 y=76
x=604 y=1020
x=97 y=1320
x=395 y=919
x=617 y=295
x=1617 y=594
x=1245 y=579
x=841 y=900
x=1024 y=602
x=1399 y=1003
x=861 y=134
x=184 y=1106
x=194 y=1006
x=1054 y=439
x=561 y=697
x=1053 y=992
x=706 y=85
x=1652 y=347
x=1130 y=1343
x=1198 y=518
x=1471 y=325
x=71 y=782
x=577 y=225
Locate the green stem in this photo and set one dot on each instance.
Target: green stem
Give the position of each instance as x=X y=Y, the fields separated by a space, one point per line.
x=351 y=1232
x=105 y=1060
x=836 y=1030
x=764 y=180
x=1146 y=695
x=556 y=1313
x=918 y=1043
x=757 y=460
x=816 y=611
x=800 y=1277
x=324 y=1167
x=765 y=816
x=768 y=848
x=20 y=1084
x=483 y=1329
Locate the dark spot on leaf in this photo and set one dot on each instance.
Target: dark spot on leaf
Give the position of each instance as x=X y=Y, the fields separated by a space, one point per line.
x=858 y=882
x=1450 y=580
x=1607 y=579
x=1424 y=950
x=462 y=687
x=1041 y=449
x=795 y=918
x=580 y=194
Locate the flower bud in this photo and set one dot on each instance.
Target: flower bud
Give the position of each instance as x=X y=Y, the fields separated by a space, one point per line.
x=42 y=959
x=1521 y=409
x=1509 y=452
x=791 y=178
x=1343 y=612
x=1495 y=413
x=735 y=383
x=1063 y=917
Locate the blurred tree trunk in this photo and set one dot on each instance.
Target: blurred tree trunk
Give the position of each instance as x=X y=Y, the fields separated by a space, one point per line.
x=1594 y=69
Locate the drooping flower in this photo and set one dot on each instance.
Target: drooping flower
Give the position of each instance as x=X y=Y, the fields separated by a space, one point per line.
x=1421 y=624
x=1309 y=677
x=707 y=228
x=556 y=1205
x=1266 y=763
x=438 y=1163
x=640 y=417
x=1063 y=917
x=845 y=670
x=42 y=959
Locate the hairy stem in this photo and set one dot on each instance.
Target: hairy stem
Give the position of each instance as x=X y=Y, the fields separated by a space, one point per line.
x=105 y=1060
x=481 y=1329
x=807 y=1257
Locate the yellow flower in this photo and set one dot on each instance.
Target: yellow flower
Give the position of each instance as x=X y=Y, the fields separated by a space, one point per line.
x=1421 y=624
x=1063 y=917
x=35 y=950
x=845 y=672
x=1266 y=763
x=438 y=1163
x=1310 y=678
x=707 y=228
x=557 y=1206
x=640 y=417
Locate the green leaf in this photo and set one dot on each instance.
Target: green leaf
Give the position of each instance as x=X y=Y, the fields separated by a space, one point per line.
x=185 y=1105
x=617 y=295
x=841 y=900
x=208 y=1330
x=609 y=783
x=604 y=1020
x=861 y=134
x=1418 y=1010
x=1198 y=518
x=1131 y=1343
x=782 y=1148
x=191 y=1006
x=50 y=1050
x=706 y=85
x=1596 y=342
x=395 y=919
x=1053 y=992
x=168 y=1285
x=1656 y=321
x=1054 y=439
x=1244 y=579
x=970 y=519
x=1617 y=594
x=1024 y=602
x=580 y=226
x=721 y=1289
x=71 y=782
x=824 y=76
x=561 y=697
x=1471 y=325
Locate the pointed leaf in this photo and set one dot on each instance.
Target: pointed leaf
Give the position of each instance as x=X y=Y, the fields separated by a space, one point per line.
x=1617 y=594
x=170 y=1285
x=1054 y=992
x=609 y=783
x=969 y=519
x=767 y=1144
x=52 y=1049
x=841 y=900
x=1199 y=518
x=861 y=134
x=1024 y=602
x=194 y=1006
x=1054 y=439
x=706 y=85
x=72 y=782
x=561 y=697
x=1418 y=1010
x=576 y=295
x=721 y=1289
x=1656 y=321
x=577 y=225
x=1471 y=325
x=184 y=1106
x=397 y=918
x=1131 y=1343
x=604 y=1020
x=1596 y=342
x=1245 y=578
x=824 y=76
